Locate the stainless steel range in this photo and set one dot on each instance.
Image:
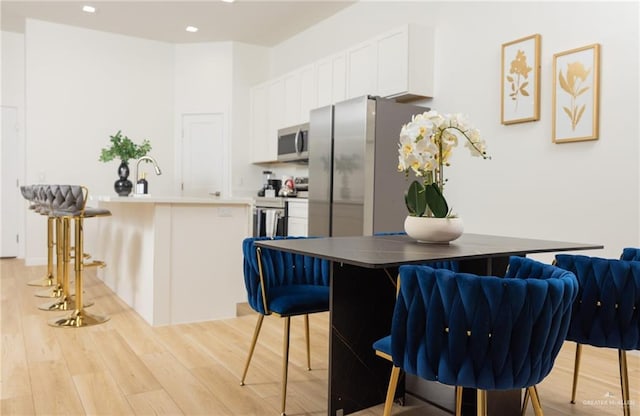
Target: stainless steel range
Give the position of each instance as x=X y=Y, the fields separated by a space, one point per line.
x=270 y=217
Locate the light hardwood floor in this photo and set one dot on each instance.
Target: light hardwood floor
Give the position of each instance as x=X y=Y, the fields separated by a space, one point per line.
x=126 y=367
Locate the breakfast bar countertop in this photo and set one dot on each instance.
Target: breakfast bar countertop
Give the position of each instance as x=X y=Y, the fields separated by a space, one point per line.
x=173 y=199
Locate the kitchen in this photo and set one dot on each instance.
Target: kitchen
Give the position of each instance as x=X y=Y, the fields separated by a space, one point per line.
x=82 y=85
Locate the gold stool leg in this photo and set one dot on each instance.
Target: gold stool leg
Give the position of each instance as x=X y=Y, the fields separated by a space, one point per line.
x=64 y=302
x=79 y=317
x=458 y=400
x=535 y=401
x=256 y=332
x=49 y=279
x=56 y=290
x=525 y=402
x=285 y=362
x=306 y=334
x=624 y=382
x=576 y=368
x=391 y=390
x=481 y=406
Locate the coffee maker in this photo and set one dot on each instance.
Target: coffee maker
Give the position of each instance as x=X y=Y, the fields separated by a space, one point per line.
x=270 y=187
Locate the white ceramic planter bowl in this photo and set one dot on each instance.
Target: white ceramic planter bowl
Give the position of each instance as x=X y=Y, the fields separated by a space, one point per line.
x=433 y=230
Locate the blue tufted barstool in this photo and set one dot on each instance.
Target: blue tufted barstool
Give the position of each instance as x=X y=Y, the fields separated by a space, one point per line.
x=285 y=285
x=68 y=202
x=481 y=332
x=606 y=312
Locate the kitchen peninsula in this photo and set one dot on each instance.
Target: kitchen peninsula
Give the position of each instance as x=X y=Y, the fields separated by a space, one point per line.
x=175 y=259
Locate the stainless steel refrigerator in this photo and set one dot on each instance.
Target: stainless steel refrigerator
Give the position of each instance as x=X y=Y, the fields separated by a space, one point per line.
x=354 y=186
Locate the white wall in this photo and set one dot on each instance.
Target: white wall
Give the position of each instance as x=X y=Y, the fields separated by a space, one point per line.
x=12 y=87
x=584 y=192
x=81 y=87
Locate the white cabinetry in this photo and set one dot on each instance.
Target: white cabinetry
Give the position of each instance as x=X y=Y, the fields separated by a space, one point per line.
x=362 y=70
x=297 y=217
x=291 y=105
x=405 y=62
x=308 y=97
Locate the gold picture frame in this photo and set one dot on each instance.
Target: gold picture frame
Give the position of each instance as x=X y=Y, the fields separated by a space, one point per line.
x=576 y=93
x=520 y=81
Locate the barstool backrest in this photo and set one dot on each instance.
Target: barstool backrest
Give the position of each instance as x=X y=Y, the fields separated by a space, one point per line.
x=67 y=199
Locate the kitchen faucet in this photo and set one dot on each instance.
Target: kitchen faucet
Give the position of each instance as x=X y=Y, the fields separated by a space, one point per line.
x=155 y=166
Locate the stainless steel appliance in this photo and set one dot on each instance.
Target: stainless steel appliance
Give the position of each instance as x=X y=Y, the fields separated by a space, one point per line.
x=293 y=143
x=354 y=186
x=270 y=217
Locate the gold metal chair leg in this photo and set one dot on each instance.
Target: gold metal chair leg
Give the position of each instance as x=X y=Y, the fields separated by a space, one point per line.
x=306 y=334
x=458 y=400
x=64 y=302
x=79 y=317
x=481 y=407
x=525 y=402
x=576 y=368
x=256 y=332
x=56 y=290
x=391 y=390
x=535 y=401
x=285 y=363
x=49 y=279
x=624 y=382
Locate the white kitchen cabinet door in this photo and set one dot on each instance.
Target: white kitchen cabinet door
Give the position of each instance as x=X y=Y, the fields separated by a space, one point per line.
x=297 y=227
x=324 y=75
x=362 y=70
x=259 y=123
x=308 y=99
x=338 y=77
x=405 y=62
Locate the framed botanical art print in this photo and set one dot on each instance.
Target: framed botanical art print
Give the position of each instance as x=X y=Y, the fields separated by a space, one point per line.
x=575 y=94
x=520 y=81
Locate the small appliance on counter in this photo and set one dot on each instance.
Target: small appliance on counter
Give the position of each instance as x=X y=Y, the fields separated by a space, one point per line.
x=302 y=186
x=270 y=187
x=288 y=188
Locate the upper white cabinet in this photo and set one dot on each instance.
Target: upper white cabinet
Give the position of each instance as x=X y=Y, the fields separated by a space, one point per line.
x=308 y=100
x=405 y=62
x=396 y=64
x=362 y=70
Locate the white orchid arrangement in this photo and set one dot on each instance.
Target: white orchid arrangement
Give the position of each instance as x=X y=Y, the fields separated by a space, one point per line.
x=425 y=146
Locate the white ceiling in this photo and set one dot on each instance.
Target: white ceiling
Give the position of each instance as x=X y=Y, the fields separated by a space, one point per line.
x=258 y=22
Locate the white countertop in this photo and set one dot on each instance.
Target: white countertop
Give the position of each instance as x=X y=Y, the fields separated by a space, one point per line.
x=172 y=199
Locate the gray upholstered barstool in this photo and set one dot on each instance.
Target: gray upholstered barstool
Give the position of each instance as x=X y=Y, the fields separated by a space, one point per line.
x=69 y=203
x=31 y=194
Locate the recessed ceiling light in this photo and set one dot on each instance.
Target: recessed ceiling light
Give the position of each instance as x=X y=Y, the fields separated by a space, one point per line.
x=88 y=9
x=228 y=1
x=191 y=29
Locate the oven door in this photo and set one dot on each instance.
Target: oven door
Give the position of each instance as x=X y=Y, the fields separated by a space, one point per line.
x=269 y=222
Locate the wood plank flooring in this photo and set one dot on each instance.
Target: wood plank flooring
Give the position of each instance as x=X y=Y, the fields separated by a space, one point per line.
x=126 y=367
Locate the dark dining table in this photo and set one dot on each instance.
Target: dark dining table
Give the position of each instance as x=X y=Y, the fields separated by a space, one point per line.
x=362 y=296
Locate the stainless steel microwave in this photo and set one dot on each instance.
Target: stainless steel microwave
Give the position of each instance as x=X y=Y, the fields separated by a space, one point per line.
x=293 y=143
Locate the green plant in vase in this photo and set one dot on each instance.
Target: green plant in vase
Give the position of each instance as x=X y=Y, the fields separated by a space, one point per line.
x=124 y=149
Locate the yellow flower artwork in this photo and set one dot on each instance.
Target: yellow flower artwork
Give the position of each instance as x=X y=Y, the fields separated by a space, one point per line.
x=518 y=77
x=574 y=84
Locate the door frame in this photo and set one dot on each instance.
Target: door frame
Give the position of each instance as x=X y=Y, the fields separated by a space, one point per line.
x=19 y=175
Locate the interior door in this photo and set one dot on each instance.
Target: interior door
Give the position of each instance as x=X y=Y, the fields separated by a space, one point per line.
x=9 y=197
x=203 y=152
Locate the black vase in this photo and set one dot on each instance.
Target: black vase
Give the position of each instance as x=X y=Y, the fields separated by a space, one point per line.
x=123 y=186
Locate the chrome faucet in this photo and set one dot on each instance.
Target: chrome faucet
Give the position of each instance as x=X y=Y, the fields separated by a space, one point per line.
x=148 y=159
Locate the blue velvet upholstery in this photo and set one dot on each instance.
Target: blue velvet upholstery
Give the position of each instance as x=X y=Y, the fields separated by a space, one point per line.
x=606 y=312
x=294 y=284
x=630 y=253
x=482 y=332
